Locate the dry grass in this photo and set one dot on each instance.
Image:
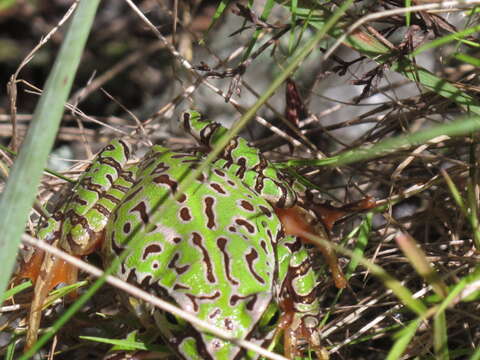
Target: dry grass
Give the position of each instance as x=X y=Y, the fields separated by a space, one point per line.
x=135 y=92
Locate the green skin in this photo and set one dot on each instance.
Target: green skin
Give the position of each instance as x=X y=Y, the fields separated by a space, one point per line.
x=218 y=251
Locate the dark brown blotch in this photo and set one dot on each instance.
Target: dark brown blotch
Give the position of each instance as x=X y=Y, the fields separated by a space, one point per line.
x=151 y=249
x=141 y=208
x=218 y=188
x=246 y=205
x=219 y=172
x=210 y=212
x=185 y=214
x=165 y=179
x=246 y=224
x=222 y=245
x=198 y=241
x=266 y=211
x=251 y=257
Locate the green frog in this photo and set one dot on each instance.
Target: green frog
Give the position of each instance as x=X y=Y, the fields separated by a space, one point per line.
x=220 y=249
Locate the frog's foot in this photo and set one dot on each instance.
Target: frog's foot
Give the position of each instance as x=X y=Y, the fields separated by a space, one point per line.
x=62 y=271
x=46 y=272
x=298 y=329
x=52 y=271
x=295 y=223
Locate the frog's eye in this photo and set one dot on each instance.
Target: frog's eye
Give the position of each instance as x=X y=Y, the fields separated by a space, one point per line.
x=269 y=319
x=174 y=322
x=170 y=325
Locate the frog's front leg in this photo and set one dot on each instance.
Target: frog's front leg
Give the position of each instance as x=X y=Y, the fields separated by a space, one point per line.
x=295 y=223
x=297 y=293
x=298 y=299
x=78 y=226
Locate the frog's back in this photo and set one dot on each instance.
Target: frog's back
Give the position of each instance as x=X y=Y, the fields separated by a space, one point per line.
x=212 y=250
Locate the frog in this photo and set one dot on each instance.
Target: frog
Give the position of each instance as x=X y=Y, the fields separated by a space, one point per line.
x=224 y=249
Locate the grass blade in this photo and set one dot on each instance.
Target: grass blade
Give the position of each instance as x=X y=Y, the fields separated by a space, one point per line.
x=21 y=187
x=405 y=336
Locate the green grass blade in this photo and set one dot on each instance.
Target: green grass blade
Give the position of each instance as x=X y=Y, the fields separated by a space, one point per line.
x=361 y=243
x=473 y=213
x=405 y=336
x=133 y=342
x=21 y=187
x=15 y=290
x=459 y=35
x=408 y=15
x=127 y=345
x=458 y=127
x=470 y=211
x=440 y=337
x=476 y=354
x=419 y=261
x=454 y=192
x=438 y=85
x=6 y=4
x=222 y=6
x=468 y=59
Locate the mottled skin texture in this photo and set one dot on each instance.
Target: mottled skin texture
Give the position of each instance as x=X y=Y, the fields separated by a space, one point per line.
x=218 y=250
x=212 y=252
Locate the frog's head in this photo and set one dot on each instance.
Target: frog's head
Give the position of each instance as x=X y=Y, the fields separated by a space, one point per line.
x=253 y=318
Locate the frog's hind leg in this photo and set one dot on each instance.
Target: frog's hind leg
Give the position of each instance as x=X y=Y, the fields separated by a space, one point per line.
x=78 y=227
